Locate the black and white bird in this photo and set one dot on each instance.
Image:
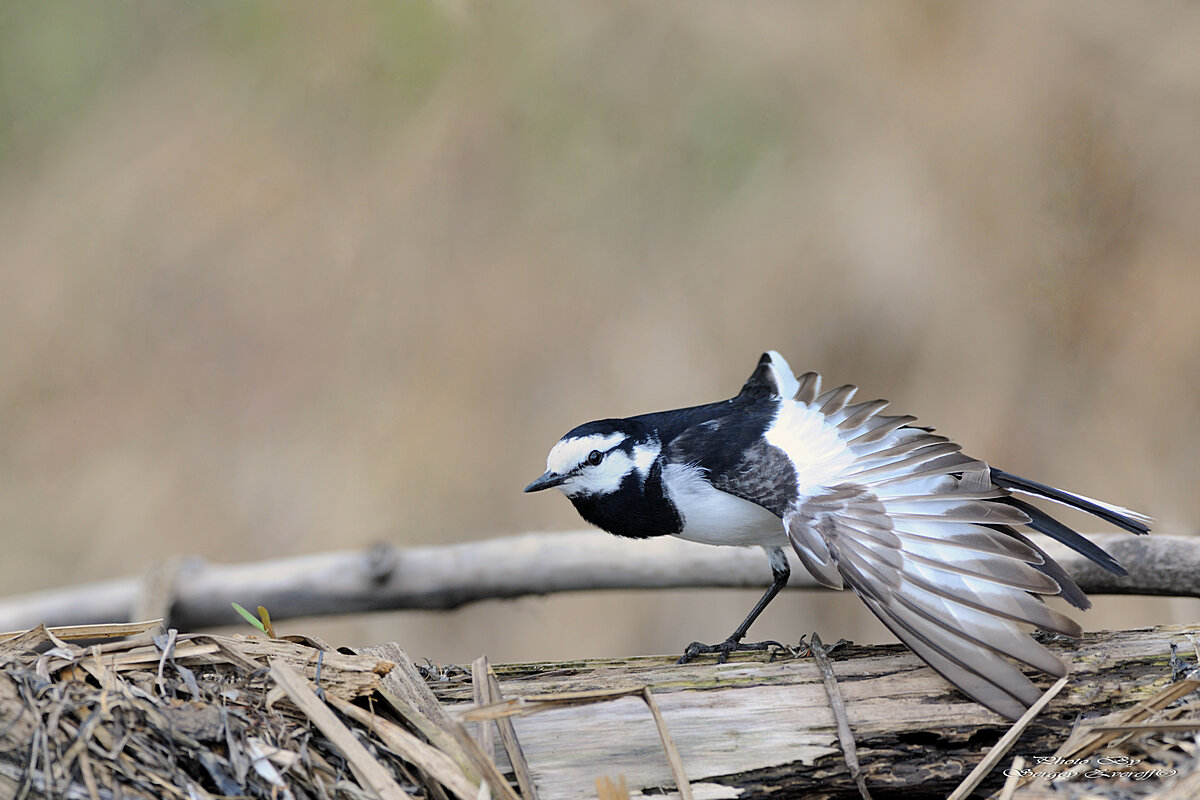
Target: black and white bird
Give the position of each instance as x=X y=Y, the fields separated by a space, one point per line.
x=925 y=535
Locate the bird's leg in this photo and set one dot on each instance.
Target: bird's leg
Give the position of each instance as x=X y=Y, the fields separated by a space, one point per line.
x=780 y=572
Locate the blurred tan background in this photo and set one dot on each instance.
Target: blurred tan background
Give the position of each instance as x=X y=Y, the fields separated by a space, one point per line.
x=284 y=278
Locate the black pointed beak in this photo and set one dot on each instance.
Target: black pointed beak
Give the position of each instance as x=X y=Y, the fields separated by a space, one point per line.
x=547 y=481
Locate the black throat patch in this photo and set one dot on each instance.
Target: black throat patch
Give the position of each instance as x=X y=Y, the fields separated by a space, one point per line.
x=635 y=510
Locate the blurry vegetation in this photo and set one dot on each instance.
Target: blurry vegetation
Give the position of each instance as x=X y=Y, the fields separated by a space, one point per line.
x=286 y=277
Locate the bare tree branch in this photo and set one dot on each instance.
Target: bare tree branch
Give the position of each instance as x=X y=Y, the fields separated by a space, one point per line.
x=194 y=593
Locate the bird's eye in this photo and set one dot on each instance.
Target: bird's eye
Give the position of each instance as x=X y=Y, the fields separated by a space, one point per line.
x=594 y=458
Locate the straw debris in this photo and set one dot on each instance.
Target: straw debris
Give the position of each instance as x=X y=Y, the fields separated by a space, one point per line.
x=190 y=717
x=1151 y=750
x=135 y=711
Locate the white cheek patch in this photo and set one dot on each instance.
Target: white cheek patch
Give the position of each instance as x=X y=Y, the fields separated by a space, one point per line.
x=570 y=453
x=644 y=455
x=601 y=479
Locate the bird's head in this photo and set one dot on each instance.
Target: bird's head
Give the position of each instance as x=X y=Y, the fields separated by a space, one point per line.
x=596 y=458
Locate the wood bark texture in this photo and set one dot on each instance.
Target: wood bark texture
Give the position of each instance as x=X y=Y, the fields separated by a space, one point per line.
x=754 y=728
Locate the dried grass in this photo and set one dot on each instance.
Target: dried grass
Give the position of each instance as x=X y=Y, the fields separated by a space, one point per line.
x=162 y=715
x=114 y=712
x=1148 y=752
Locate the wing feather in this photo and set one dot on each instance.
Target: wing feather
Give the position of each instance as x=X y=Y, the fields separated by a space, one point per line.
x=883 y=427
x=861 y=412
x=969 y=539
x=905 y=448
x=926 y=536
x=808 y=386
x=1042 y=522
x=903 y=467
x=835 y=400
x=948 y=584
x=967 y=620
x=986 y=691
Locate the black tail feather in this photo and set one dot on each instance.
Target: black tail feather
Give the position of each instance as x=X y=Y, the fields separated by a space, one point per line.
x=1068 y=589
x=1010 y=481
x=1042 y=522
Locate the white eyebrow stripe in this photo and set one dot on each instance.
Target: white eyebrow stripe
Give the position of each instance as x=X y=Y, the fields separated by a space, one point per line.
x=569 y=453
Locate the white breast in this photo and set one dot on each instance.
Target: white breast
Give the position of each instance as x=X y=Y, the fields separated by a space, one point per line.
x=711 y=516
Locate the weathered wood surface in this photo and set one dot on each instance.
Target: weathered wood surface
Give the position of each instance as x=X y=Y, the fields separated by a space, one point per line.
x=752 y=728
x=192 y=594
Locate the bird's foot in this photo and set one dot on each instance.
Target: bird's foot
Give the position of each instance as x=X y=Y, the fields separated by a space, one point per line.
x=726 y=647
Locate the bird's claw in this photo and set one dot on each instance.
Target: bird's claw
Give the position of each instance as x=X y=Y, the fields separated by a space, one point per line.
x=726 y=647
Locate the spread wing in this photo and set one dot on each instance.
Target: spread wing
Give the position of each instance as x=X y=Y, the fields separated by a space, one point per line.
x=945 y=583
x=924 y=535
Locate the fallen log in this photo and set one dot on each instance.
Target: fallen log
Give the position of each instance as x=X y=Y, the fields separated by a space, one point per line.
x=193 y=715
x=756 y=727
